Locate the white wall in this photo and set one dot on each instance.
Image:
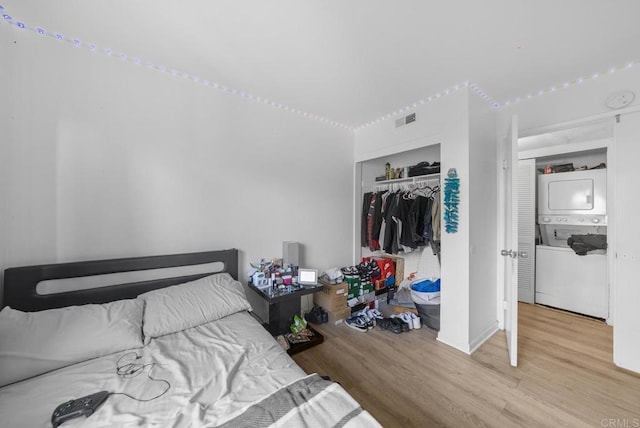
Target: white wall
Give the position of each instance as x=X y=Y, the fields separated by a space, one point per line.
x=483 y=222
x=109 y=159
x=626 y=330
x=5 y=120
x=454 y=310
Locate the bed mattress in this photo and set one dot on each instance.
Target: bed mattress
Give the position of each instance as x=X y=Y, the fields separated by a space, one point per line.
x=216 y=371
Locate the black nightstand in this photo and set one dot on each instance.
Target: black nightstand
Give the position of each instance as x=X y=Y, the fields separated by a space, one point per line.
x=283 y=305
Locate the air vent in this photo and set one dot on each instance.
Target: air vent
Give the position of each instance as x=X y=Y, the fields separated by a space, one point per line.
x=405 y=120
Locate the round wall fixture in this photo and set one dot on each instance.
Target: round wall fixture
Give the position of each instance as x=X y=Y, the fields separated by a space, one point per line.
x=620 y=99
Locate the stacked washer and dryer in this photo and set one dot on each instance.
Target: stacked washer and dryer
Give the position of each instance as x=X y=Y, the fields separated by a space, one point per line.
x=572 y=203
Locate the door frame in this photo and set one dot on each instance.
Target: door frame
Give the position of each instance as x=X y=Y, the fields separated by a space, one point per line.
x=609 y=145
x=611 y=195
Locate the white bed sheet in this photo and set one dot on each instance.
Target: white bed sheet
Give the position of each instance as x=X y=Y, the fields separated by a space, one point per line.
x=216 y=370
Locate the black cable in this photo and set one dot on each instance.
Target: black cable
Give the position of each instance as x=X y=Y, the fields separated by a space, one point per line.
x=131 y=370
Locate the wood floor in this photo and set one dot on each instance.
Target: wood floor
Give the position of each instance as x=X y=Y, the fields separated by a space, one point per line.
x=565 y=376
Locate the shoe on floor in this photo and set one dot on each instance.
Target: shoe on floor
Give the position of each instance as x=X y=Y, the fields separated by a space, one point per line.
x=406 y=324
x=376 y=313
x=390 y=324
x=412 y=319
x=358 y=323
x=398 y=326
x=415 y=320
x=385 y=323
x=368 y=316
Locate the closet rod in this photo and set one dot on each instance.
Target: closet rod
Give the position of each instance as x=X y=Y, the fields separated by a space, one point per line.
x=416 y=179
x=431 y=179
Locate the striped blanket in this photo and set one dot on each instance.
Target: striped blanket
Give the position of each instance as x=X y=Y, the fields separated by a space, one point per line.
x=310 y=401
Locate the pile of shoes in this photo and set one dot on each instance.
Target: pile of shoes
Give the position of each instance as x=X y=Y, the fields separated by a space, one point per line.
x=400 y=323
x=350 y=270
x=361 y=277
x=369 y=270
x=317 y=315
x=368 y=318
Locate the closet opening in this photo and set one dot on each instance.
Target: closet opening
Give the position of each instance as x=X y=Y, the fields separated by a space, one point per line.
x=397 y=216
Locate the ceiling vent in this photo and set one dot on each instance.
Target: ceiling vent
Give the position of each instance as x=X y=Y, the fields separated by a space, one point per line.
x=405 y=120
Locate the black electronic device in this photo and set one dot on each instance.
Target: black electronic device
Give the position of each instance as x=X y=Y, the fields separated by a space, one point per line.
x=84 y=406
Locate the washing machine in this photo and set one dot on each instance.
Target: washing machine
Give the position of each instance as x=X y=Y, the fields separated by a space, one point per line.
x=568 y=281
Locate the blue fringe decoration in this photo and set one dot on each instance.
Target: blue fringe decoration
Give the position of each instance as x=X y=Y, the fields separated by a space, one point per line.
x=451 y=201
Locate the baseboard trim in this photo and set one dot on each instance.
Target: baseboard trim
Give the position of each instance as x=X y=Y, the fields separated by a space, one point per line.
x=484 y=336
x=460 y=348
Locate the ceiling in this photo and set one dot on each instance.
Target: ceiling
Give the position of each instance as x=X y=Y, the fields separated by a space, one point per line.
x=353 y=61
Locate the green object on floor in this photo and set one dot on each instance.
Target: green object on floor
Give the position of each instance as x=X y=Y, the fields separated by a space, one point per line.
x=298 y=325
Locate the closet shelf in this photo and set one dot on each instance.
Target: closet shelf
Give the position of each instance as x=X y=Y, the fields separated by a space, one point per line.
x=416 y=179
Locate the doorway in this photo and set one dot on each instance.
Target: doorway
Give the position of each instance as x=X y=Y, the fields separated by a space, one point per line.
x=582 y=141
x=546 y=276
x=562 y=197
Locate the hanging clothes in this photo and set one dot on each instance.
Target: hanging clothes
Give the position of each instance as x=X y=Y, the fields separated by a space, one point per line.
x=436 y=216
x=374 y=239
x=416 y=220
x=405 y=235
x=401 y=221
x=436 y=224
x=427 y=233
x=364 y=236
x=374 y=221
x=383 y=222
x=391 y=225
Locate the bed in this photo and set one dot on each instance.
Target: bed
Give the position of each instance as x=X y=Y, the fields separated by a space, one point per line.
x=171 y=338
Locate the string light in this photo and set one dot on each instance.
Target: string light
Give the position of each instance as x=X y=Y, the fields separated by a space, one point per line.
x=445 y=92
x=571 y=83
x=473 y=87
x=184 y=75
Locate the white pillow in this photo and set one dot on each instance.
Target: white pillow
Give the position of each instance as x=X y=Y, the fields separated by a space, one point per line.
x=32 y=343
x=176 y=308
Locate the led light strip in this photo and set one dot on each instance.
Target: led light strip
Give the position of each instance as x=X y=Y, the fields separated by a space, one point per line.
x=173 y=72
x=424 y=101
x=567 y=84
x=262 y=100
x=473 y=87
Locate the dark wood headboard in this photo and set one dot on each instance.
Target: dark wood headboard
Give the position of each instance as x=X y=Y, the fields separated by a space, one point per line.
x=20 y=282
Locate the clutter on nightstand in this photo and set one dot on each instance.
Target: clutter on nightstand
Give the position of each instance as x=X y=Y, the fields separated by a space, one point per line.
x=273 y=274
